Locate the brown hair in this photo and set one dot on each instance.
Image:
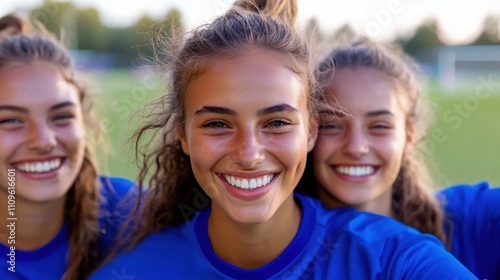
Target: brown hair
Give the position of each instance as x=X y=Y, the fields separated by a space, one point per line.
x=174 y=195
x=18 y=44
x=412 y=198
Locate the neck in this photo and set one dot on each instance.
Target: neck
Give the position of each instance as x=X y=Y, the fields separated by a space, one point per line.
x=251 y=246
x=382 y=205
x=35 y=223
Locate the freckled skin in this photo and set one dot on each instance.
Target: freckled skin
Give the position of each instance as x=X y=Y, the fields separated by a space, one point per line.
x=39 y=132
x=246 y=143
x=366 y=138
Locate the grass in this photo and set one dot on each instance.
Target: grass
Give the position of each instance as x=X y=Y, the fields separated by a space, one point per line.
x=120 y=94
x=464 y=143
x=465 y=140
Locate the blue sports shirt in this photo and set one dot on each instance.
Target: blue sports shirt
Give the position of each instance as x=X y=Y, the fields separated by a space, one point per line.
x=51 y=261
x=330 y=244
x=473 y=227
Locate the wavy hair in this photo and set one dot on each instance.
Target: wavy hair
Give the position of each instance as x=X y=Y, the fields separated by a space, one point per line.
x=20 y=43
x=173 y=195
x=413 y=201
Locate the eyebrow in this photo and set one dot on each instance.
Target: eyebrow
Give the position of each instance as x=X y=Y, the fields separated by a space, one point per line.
x=265 y=111
x=24 y=110
x=379 y=113
x=215 y=110
x=62 y=105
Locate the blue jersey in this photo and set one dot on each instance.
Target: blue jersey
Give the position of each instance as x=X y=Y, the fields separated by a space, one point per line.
x=330 y=244
x=51 y=260
x=473 y=225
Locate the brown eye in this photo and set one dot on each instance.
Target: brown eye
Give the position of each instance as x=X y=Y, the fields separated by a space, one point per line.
x=278 y=123
x=215 y=124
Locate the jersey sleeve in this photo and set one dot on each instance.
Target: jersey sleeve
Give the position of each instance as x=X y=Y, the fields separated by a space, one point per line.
x=118 y=200
x=422 y=257
x=473 y=226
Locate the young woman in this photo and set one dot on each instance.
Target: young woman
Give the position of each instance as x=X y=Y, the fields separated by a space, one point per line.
x=370 y=159
x=52 y=225
x=234 y=133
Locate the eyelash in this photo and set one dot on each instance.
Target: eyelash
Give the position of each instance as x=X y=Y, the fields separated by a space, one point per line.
x=330 y=126
x=9 y=121
x=215 y=125
x=278 y=123
x=63 y=117
x=381 y=126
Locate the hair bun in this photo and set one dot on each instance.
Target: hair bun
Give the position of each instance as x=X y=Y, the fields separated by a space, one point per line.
x=13 y=24
x=285 y=10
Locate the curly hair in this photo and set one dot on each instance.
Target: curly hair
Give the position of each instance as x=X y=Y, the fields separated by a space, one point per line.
x=20 y=43
x=173 y=195
x=413 y=201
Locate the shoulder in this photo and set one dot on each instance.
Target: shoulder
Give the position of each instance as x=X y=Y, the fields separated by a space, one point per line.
x=382 y=246
x=390 y=249
x=115 y=185
x=171 y=251
x=468 y=191
x=465 y=199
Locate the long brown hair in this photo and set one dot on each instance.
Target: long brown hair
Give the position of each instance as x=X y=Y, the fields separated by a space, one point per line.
x=19 y=44
x=173 y=195
x=413 y=200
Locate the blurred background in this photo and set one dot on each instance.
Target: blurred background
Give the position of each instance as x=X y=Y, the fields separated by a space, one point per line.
x=458 y=46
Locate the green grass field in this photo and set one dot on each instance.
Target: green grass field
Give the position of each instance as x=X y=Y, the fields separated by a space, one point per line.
x=464 y=143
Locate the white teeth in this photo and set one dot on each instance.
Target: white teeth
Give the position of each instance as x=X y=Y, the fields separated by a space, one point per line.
x=40 y=167
x=253 y=184
x=249 y=184
x=244 y=184
x=355 y=171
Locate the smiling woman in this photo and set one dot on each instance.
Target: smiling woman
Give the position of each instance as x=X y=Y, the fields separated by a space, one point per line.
x=233 y=134
x=54 y=203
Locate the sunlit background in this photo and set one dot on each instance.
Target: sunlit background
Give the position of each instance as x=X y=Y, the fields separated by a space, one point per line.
x=456 y=42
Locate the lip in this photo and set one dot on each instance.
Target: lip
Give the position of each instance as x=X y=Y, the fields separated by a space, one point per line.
x=248 y=195
x=352 y=179
x=41 y=175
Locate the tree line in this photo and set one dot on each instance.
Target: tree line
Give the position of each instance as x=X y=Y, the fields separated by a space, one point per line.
x=82 y=29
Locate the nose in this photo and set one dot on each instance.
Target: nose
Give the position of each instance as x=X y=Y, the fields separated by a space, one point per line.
x=41 y=138
x=248 y=150
x=355 y=144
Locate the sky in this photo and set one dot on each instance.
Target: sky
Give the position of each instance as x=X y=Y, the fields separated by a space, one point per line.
x=459 y=23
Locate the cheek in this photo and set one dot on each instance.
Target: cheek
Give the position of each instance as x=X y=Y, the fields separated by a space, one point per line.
x=72 y=137
x=325 y=147
x=393 y=149
x=9 y=139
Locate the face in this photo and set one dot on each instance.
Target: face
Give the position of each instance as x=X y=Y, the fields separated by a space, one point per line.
x=357 y=160
x=41 y=131
x=247 y=134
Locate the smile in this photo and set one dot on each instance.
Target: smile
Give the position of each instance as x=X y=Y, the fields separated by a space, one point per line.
x=40 y=166
x=355 y=171
x=249 y=183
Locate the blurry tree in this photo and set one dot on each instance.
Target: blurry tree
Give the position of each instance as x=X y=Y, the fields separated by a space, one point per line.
x=491 y=32
x=51 y=14
x=425 y=37
x=91 y=33
x=82 y=29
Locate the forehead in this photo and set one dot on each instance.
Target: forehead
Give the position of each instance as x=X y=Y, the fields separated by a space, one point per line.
x=366 y=88
x=257 y=76
x=35 y=83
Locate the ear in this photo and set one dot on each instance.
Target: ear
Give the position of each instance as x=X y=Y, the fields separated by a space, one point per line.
x=182 y=136
x=410 y=137
x=313 y=133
